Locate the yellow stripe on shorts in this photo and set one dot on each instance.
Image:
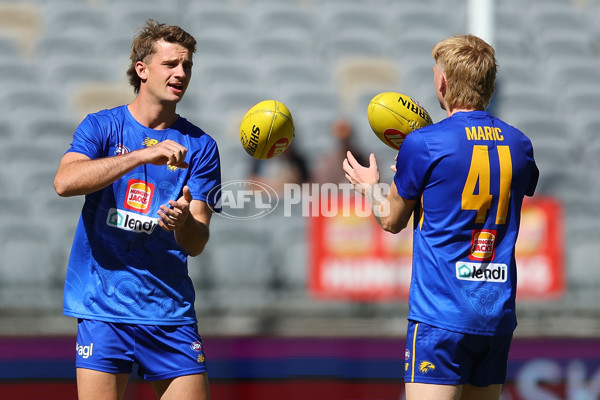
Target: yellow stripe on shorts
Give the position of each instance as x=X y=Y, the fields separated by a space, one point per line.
x=412 y=376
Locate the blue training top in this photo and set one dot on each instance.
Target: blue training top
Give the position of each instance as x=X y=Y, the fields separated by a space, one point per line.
x=123 y=267
x=471 y=171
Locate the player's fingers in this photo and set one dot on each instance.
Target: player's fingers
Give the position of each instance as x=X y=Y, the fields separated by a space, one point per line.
x=351 y=160
x=346 y=166
x=348 y=177
x=175 y=152
x=372 y=160
x=182 y=165
x=187 y=195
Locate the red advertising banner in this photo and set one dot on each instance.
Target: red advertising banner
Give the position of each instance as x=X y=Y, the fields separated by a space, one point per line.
x=352 y=258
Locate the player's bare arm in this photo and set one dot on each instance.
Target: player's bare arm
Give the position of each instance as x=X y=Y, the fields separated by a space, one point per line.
x=189 y=220
x=391 y=211
x=79 y=175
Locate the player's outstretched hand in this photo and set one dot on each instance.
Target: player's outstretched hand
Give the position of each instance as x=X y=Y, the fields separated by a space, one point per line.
x=167 y=152
x=175 y=215
x=393 y=166
x=361 y=177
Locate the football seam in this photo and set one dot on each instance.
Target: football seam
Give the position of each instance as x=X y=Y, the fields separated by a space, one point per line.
x=392 y=111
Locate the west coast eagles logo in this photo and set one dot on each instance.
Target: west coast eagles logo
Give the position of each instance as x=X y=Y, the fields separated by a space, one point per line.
x=426 y=366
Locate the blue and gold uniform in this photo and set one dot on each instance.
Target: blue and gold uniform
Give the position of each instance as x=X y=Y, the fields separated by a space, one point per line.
x=123 y=268
x=471 y=172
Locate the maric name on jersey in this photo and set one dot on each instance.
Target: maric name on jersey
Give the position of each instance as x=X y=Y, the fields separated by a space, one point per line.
x=484 y=133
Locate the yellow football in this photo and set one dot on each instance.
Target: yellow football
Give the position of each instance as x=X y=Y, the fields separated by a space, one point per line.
x=267 y=129
x=392 y=116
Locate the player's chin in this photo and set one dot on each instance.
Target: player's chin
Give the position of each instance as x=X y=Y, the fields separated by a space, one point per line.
x=172 y=99
x=176 y=94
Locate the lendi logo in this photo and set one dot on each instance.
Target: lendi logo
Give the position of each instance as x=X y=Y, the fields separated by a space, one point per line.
x=481 y=272
x=130 y=221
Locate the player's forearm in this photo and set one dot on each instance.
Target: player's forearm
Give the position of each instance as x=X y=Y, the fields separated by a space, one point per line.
x=391 y=212
x=380 y=207
x=192 y=236
x=84 y=176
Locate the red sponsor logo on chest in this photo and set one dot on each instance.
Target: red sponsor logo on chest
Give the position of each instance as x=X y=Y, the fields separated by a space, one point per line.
x=483 y=244
x=139 y=195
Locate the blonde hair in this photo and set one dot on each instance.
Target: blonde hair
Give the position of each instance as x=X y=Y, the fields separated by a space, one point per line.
x=469 y=64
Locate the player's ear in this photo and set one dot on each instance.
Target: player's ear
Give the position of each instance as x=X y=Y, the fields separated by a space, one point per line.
x=442 y=82
x=141 y=69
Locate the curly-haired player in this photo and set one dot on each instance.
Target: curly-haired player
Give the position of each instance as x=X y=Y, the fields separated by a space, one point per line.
x=147 y=175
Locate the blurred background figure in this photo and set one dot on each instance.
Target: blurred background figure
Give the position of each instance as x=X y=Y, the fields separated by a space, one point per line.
x=327 y=168
x=289 y=167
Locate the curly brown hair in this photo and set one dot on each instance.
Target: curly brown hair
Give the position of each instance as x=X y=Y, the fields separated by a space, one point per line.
x=142 y=46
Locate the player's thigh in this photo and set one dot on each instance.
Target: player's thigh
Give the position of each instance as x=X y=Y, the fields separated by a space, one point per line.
x=471 y=392
x=98 y=385
x=428 y=391
x=186 y=387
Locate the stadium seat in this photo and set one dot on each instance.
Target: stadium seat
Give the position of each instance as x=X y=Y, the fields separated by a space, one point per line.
x=357 y=75
x=508 y=21
x=21 y=265
x=62 y=47
x=77 y=19
x=510 y=45
x=53 y=131
x=7 y=130
x=591 y=151
x=217 y=18
x=313 y=135
x=286 y=71
x=214 y=47
x=219 y=74
x=77 y=72
x=338 y=20
x=414 y=18
x=16 y=69
x=21 y=99
x=413 y=47
x=285 y=18
x=558 y=16
x=569 y=72
x=523 y=103
x=95 y=96
x=233 y=102
x=8 y=47
x=565 y=44
x=517 y=72
x=242 y=257
x=587 y=129
x=581 y=100
x=127 y=16
x=23 y=23
x=351 y=44
x=265 y=48
x=291 y=250
x=541 y=129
